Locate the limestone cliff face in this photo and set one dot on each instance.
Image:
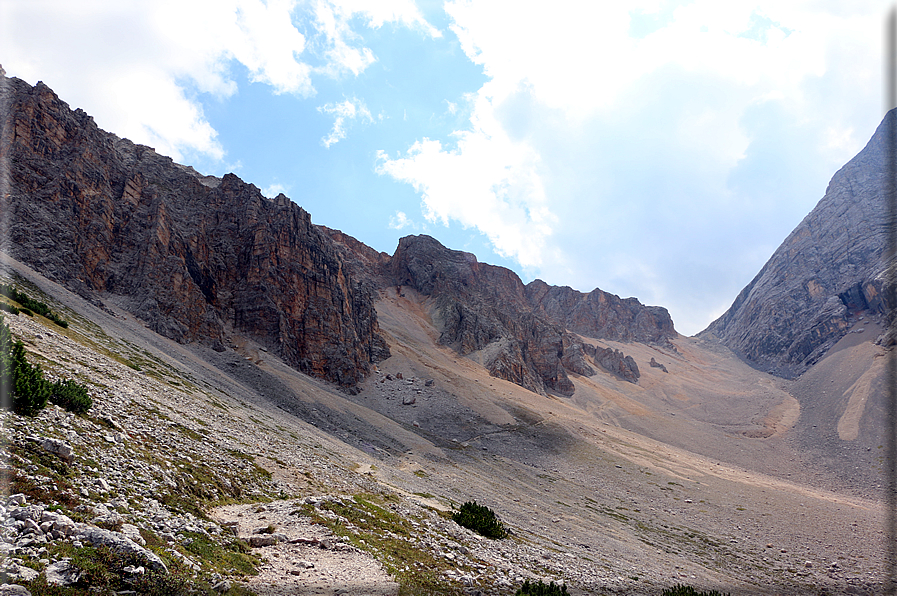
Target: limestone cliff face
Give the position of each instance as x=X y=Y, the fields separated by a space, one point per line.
x=199 y=258
x=479 y=305
x=824 y=276
x=600 y=314
x=523 y=332
x=195 y=257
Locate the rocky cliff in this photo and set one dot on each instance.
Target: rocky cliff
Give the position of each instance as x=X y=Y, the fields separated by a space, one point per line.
x=600 y=314
x=479 y=306
x=827 y=274
x=524 y=332
x=194 y=256
x=199 y=258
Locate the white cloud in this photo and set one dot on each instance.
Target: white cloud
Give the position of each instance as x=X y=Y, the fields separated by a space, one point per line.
x=487 y=182
x=400 y=221
x=343 y=113
x=545 y=150
x=387 y=11
x=136 y=66
x=274 y=189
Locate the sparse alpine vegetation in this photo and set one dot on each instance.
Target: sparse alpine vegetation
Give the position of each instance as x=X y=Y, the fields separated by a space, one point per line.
x=541 y=589
x=480 y=519
x=26 y=385
x=29 y=305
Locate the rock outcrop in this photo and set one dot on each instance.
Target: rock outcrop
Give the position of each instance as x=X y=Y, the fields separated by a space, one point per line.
x=483 y=307
x=601 y=314
x=615 y=362
x=195 y=257
x=200 y=258
x=521 y=331
x=825 y=275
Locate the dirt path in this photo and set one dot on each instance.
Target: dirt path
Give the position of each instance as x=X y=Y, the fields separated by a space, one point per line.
x=307 y=559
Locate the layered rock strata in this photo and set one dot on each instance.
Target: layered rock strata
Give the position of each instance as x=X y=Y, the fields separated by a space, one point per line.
x=829 y=272
x=601 y=314
x=480 y=307
x=195 y=257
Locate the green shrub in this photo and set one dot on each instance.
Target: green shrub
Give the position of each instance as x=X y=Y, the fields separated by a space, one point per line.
x=70 y=395
x=23 y=387
x=9 y=308
x=30 y=306
x=540 y=589
x=19 y=380
x=680 y=590
x=480 y=519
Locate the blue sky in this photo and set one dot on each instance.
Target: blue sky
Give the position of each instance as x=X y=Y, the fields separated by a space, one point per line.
x=654 y=149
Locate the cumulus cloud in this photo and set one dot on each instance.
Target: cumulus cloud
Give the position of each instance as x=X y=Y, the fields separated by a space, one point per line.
x=343 y=113
x=544 y=149
x=387 y=11
x=138 y=66
x=274 y=189
x=487 y=182
x=400 y=221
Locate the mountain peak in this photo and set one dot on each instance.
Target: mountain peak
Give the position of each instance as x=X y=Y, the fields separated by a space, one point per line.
x=825 y=276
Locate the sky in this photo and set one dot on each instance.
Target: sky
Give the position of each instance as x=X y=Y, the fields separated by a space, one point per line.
x=661 y=150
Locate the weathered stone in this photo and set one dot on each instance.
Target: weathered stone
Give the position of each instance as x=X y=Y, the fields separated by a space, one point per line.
x=192 y=255
x=480 y=307
x=62 y=573
x=260 y=540
x=60 y=448
x=31 y=512
x=132 y=532
x=14 y=590
x=122 y=544
x=16 y=499
x=614 y=361
x=18 y=573
x=656 y=364
x=601 y=315
x=827 y=272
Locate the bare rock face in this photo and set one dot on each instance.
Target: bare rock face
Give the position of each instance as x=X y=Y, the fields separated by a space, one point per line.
x=616 y=362
x=825 y=275
x=484 y=307
x=193 y=256
x=478 y=306
x=601 y=315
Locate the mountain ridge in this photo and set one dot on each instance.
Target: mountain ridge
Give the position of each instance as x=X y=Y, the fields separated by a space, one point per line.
x=826 y=274
x=199 y=258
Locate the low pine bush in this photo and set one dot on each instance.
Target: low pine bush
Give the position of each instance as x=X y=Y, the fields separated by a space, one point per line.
x=23 y=387
x=480 y=519
x=9 y=308
x=30 y=306
x=541 y=589
x=19 y=380
x=680 y=590
x=70 y=395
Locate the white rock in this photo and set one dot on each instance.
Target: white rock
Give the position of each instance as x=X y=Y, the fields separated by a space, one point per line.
x=62 y=573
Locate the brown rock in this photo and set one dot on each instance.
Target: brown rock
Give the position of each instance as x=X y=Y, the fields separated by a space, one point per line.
x=828 y=270
x=191 y=255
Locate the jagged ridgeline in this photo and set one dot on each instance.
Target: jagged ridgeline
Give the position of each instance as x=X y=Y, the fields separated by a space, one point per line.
x=827 y=276
x=198 y=258
x=192 y=256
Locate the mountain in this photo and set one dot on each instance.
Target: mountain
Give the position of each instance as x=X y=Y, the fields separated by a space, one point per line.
x=195 y=257
x=275 y=397
x=826 y=278
x=200 y=258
